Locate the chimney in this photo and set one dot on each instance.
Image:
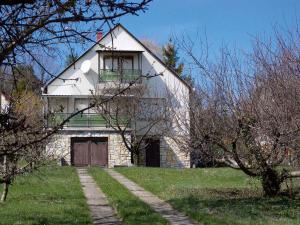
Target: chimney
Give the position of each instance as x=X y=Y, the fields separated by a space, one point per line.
x=99 y=35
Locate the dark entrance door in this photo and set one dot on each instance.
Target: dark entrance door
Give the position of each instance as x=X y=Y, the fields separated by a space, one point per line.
x=152 y=153
x=89 y=151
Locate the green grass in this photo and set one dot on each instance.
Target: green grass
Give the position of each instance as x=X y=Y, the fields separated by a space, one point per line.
x=52 y=195
x=216 y=196
x=132 y=210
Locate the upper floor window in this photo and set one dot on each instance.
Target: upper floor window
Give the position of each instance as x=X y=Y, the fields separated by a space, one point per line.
x=119 y=68
x=118 y=63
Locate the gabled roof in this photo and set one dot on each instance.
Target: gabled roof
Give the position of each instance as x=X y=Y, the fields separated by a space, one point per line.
x=145 y=47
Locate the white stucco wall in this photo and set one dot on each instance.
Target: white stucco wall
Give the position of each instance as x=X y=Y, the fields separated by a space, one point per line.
x=162 y=86
x=157 y=86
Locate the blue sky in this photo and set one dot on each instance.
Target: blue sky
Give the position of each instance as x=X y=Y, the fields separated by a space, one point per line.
x=233 y=23
x=230 y=22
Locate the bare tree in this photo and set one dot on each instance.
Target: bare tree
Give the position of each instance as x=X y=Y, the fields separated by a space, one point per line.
x=19 y=127
x=247 y=113
x=46 y=23
x=30 y=30
x=133 y=115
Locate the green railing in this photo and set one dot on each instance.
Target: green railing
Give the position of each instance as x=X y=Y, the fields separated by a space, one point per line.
x=123 y=76
x=85 y=120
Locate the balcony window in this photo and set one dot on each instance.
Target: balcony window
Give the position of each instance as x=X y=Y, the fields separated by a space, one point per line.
x=119 y=69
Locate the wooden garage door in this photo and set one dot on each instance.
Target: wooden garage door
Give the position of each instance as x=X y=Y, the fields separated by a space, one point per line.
x=99 y=154
x=80 y=153
x=89 y=151
x=152 y=153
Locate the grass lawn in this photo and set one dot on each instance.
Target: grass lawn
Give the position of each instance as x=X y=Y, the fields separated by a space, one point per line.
x=216 y=195
x=132 y=210
x=52 y=195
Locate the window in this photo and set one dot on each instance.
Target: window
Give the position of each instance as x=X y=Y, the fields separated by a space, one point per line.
x=118 y=63
x=111 y=63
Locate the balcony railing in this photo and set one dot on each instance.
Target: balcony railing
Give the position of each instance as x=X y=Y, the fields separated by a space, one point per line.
x=85 y=120
x=117 y=75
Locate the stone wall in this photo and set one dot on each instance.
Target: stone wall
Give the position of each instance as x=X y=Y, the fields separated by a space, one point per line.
x=118 y=154
x=170 y=155
x=60 y=146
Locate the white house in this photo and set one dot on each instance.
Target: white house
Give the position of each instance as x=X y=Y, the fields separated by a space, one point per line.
x=86 y=139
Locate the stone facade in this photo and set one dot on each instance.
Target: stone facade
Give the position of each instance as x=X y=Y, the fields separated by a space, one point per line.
x=170 y=155
x=60 y=146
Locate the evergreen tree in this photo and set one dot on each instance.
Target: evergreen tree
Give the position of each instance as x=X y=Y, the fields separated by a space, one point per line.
x=171 y=58
x=71 y=58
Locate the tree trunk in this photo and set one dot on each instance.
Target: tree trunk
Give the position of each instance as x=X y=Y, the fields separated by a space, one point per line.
x=4 y=192
x=5 y=181
x=136 y=160
x=271 y=182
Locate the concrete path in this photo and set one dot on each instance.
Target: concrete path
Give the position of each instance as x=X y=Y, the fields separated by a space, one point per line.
x=101 y=211
x=160 y=206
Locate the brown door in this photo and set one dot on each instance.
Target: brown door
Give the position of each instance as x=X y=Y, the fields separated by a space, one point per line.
x=89 y=151
x=80 y=156
x=152 y=153
x=99 y=152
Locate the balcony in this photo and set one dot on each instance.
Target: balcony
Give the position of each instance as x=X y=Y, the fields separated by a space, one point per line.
x=85 y=120
x=121 y=76
x=113 y=81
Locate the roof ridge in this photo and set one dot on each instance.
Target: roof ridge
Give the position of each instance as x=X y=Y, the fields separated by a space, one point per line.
x=136 y=39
